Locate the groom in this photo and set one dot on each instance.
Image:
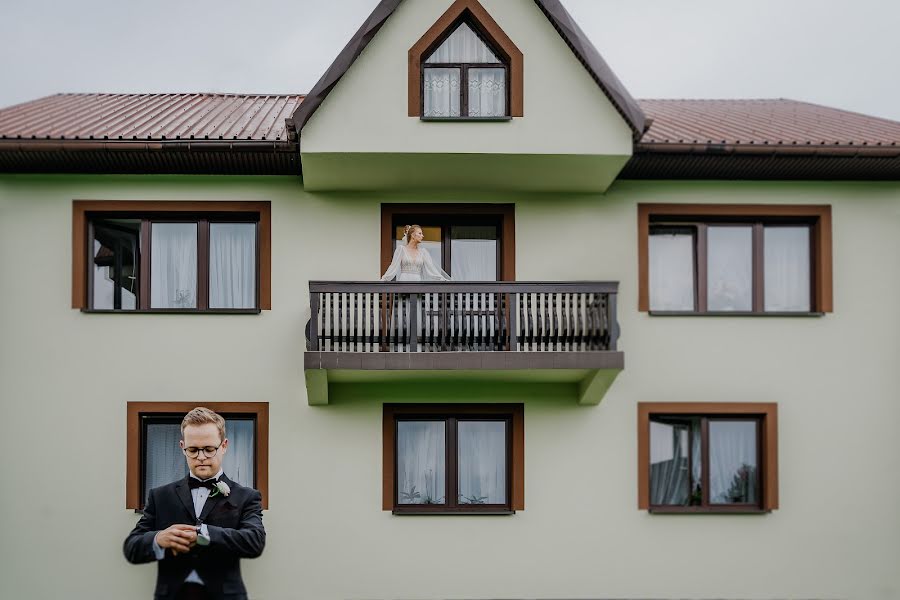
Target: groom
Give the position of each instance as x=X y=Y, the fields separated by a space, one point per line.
x=198 y=528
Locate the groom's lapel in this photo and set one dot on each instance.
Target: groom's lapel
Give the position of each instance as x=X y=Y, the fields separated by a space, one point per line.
x=213 y=501
x=183 y=491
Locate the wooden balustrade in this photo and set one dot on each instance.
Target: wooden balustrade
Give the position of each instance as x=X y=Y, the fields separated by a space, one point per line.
x=462 y=317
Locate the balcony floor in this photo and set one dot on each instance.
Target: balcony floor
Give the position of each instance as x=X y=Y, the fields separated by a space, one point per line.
x=581 y=376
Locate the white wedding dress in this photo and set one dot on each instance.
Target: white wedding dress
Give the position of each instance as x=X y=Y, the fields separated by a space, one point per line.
x=406 y=267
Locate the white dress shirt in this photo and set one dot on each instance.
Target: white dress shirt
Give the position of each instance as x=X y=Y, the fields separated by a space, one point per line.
x=199 y=496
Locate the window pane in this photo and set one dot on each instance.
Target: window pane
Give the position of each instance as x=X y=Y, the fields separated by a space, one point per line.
x=787 y=269
x=675 y=462
x=733 y=472
x=482 y=462
x=173 y=265
x=672 y=269
x=239 y=462
x=421 y=455
x=164 y=462
x=473 y=252
x=232 y=265
x=730 y=268
x=463 y=46
x=487 y=92
x=442 y=93
x=116 y=251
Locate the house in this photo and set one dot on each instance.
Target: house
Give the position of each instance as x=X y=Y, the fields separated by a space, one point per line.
x=666 y=366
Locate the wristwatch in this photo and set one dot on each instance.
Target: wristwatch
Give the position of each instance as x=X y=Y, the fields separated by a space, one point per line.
x=202 y=539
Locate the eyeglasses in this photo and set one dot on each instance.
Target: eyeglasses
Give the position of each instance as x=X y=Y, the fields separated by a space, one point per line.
x=208 y=451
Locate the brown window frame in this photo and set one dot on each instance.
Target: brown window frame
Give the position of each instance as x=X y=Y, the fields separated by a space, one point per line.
x=503 y=215
x=513 y=414
x=134 y=480
x=473 y=14
x=759 y=216
x=84 y=211
x=765 y=413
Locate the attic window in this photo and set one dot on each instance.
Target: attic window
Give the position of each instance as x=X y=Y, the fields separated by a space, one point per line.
x=465 y=67
x=464 y=78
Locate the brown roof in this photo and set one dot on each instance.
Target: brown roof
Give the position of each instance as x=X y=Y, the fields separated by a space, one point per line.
x=150 y=117
x=246 y=134
x=750 y=122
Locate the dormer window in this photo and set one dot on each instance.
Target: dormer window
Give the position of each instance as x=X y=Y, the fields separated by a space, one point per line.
x=465 y=67
x=464 y=78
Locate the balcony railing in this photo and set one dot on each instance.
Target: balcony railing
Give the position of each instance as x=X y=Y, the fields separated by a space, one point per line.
x=407 y=317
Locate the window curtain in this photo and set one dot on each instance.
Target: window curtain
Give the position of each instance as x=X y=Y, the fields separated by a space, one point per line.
x=730 y=268
x=787 y=269
x=232 y=265
x=473 y=253
x=482 y=462
x=671 y=271
x=420 y=462
x=164 y=461
x=463 y=46
x=442 y=97
x=173 y=265
x=733 y=476
x=487 y=92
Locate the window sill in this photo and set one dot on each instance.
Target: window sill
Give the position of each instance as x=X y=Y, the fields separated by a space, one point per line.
x=455 y=513
x=677 y=313
x=465 y=119
x=249 y=311
x=697 y=510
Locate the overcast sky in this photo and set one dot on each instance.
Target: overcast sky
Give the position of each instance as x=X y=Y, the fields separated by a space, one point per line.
x=839 y=53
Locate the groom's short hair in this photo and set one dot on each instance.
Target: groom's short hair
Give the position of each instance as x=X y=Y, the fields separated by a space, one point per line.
x=201 y=416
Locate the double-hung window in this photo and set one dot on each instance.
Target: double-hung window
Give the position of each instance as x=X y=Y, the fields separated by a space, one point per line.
x=172 y=256
x=735 y=259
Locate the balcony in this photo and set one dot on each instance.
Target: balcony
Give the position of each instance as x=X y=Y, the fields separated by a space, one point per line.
x=553 y=339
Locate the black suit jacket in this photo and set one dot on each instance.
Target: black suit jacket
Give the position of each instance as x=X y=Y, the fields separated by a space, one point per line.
x=235 y=531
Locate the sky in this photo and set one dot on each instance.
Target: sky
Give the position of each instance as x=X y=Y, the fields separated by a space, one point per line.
x=832 y=52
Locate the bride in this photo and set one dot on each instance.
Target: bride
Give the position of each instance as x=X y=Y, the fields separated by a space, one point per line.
x=412 y=262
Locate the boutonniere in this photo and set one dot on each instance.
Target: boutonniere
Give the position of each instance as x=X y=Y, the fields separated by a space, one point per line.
x=220 y=488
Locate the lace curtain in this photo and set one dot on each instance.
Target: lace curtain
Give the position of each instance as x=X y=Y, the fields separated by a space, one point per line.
x=482 y=462
x=420 y=462
x=173 y=260
x=787 y=266
x=671 y=271
x=463 y=46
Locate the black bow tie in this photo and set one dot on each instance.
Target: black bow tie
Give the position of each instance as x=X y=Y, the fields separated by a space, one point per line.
x=196 y=483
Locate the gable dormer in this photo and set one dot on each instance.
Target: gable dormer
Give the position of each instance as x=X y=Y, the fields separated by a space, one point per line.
x=465 y=67
x=467 y=95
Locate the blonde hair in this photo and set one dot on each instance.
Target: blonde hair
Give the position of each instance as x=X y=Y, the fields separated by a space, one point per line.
x=409 y=229
x=202 y=416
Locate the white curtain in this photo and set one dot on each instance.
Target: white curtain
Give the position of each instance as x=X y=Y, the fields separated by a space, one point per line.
x=473 y=253
x=173 y=265
x=487 y=92
x=482 y=462
x=442 y=97
x=232 y=265
x=671 y=271
x=239 y=463
x=164 y=461
x=787 y=269
x=420 y=462
x=730 y=268
x=732 y=462
x=463 y=46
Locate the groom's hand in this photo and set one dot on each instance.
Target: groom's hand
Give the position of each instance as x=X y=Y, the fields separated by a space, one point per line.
x=180 y=538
